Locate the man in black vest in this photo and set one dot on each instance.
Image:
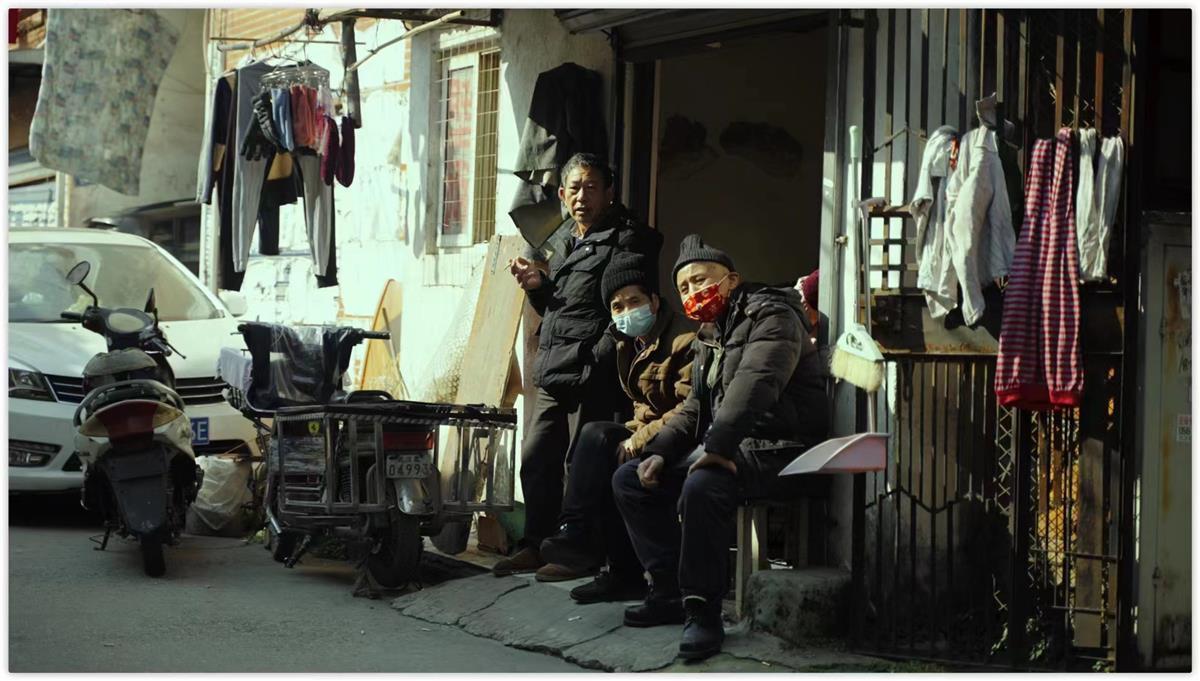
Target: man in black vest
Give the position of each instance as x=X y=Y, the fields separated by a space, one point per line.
x=563 y=285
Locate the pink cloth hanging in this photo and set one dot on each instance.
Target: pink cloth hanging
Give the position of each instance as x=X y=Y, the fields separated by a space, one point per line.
x=1039 y=364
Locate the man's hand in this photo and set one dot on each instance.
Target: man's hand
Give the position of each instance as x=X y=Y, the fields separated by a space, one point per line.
x=625 y=452
x=528 y=276
x=648 y=471
x=709 y=460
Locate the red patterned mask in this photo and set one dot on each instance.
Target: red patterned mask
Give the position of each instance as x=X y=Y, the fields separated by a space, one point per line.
x=707 y=304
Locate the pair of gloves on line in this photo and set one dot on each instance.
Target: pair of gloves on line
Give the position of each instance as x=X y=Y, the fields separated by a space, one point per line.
x=263 y=140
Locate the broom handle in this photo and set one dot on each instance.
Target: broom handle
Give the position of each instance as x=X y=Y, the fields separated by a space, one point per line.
x=852 y=253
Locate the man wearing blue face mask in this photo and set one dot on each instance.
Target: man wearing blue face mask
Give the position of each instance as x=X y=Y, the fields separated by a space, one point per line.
x=652 y=347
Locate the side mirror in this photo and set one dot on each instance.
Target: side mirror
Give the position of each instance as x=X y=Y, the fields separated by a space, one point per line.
x=79 y=272
x=235 y=301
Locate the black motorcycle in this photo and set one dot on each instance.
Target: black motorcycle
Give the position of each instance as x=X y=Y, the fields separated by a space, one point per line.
x=132 y=435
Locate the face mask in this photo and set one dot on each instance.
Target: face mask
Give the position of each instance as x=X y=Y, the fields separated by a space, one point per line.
x=707 y=304
x=636 y=322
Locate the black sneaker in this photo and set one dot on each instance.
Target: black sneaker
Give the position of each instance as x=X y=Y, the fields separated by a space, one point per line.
x=703 y=631
x=606 y=588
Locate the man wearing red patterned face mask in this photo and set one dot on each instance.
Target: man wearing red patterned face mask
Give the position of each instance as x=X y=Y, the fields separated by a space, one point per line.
x=757 y=402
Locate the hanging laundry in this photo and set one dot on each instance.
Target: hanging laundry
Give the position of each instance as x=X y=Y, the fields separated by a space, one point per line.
x=219 y=123
x=301 y=118
x=101 y=74
x=1096 y=201
x=345 y=166
x=935 y=269
x=329 y=146
x=249 y=174
x=319 y=219
x=979 y=226
x=566 y=116
x=281 y=112
x=1039 y=366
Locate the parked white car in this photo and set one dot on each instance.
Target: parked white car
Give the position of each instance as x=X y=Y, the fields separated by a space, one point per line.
x=46 y=354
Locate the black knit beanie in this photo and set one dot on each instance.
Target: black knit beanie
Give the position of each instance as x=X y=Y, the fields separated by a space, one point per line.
x=693 y=249
x=625 y=269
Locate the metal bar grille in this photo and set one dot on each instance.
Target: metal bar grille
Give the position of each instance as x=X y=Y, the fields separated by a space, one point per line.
x=992 y=535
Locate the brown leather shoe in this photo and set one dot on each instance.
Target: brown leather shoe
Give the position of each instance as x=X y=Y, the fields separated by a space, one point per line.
x=557 y=572
x=526 y=560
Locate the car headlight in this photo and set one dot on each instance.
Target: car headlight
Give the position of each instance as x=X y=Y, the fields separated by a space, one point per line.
x=29 y=385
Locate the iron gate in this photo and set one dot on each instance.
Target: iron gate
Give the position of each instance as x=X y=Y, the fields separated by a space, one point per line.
x=995 y=536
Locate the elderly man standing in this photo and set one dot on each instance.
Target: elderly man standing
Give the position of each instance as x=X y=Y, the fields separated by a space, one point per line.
x=571 y=382
x=757 y=401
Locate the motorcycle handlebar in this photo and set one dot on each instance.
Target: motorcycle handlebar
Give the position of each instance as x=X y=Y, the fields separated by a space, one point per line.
x=376 y=335
x=72 y=316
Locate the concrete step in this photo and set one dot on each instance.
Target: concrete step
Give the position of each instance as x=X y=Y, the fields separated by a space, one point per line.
x=800 y=605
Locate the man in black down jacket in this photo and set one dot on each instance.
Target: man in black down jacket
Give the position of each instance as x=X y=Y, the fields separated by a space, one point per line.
x=571 y=381
x=757 y=401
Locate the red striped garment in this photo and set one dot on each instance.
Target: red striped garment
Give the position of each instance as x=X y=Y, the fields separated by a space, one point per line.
x=1039 y=365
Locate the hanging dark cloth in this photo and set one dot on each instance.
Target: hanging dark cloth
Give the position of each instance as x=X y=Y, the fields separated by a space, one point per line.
x=566 y=117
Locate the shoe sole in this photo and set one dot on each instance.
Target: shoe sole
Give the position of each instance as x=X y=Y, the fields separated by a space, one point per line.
x=626 y=598
x=697 y=655
x=562 y=578
x=647 y=625
x=510 y=573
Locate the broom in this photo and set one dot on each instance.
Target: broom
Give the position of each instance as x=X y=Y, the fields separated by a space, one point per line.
x=856 y=356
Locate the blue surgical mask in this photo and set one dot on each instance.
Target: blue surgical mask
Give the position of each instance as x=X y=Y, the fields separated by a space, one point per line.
x=636 y=322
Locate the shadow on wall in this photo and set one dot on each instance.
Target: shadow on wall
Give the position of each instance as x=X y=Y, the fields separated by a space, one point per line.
x=421 y=213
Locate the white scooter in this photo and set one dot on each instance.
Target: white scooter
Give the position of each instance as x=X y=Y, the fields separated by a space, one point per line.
x=132 y=435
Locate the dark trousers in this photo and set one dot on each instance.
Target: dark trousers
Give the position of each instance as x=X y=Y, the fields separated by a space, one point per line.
x=547 y=442
x=683 y=527
x=589 y=497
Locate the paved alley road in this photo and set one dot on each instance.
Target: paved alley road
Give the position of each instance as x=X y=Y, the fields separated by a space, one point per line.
x=223 y=607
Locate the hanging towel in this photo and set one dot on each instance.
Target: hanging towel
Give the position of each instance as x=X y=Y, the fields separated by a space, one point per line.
x=100 y=78
x=1096 y=201
x=1038 y=366
x=935 y=271
x=281 y=111
x=302 y=132
x=329 y=146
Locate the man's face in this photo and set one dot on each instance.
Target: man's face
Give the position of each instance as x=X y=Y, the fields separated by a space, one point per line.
x=697 y=275
x=631 y=297
x=585 y=195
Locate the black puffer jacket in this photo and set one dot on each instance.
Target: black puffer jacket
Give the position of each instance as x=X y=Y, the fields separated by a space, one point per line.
x=573 y=314
x=768 y=383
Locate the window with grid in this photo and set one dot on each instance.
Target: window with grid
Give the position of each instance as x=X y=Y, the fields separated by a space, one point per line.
x=468 y=103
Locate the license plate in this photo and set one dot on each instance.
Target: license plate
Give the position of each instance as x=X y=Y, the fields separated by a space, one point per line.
x=200 y=431
x=409 y=466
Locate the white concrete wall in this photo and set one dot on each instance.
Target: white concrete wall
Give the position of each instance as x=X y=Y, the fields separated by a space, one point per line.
x=169 y=158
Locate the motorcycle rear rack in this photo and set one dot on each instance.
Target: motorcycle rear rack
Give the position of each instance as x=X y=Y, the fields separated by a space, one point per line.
x=470 y=443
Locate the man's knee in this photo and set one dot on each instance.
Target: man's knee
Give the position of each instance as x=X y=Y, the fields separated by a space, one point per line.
x=710 y=489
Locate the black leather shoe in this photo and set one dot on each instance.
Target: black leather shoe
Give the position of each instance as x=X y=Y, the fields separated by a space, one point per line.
x=703 y=631
x=571 y=548
x=662 y=606
x=606 y=588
